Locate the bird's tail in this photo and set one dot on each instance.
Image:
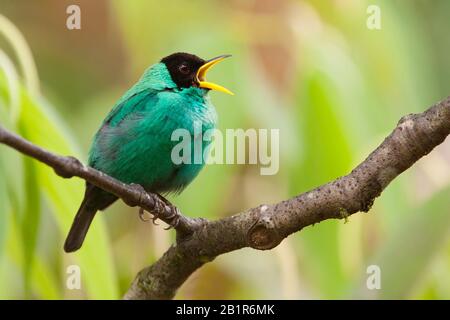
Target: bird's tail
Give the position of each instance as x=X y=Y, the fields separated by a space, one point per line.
x=80 y=226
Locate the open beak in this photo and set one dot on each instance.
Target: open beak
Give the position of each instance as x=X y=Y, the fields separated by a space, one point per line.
x=201 y=73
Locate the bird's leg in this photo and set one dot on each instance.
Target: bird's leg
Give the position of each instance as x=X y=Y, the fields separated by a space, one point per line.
x=164 y=199
x=174 y=217
x=144 y=217
x=142 y=214
x=156 y=213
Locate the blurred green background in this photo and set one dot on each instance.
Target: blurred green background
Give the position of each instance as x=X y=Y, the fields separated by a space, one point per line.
x=313 y=69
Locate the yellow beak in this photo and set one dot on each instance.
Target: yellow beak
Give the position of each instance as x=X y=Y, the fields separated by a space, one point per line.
x=202 y=83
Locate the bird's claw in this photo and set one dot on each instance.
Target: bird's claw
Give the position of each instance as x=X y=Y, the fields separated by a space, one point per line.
x=142 y=215
x=132 y=201
x=174 y=219
x=155 y=217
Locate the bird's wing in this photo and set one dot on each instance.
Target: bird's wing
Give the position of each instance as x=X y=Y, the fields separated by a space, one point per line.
x=135 y=103
x=118 y=122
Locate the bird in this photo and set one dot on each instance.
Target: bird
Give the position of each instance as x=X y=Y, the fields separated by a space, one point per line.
x=134 y=145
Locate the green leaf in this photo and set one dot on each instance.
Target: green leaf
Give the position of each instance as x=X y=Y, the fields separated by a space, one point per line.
x=42 y=280
x=326 y=156
x=4 y=209
x=30 y=219
x=44 y=283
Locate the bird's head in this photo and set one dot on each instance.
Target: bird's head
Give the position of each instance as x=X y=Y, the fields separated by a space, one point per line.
x=188 y=70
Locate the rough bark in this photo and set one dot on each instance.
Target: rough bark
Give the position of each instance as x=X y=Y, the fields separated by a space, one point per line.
x=264 y=227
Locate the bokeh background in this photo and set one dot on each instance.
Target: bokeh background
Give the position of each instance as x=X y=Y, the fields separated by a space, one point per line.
x=313 y=69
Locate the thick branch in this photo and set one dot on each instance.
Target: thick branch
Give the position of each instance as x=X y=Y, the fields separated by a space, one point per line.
x=266 y=226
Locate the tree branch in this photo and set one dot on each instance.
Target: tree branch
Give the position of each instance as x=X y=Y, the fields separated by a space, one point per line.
x=132 y=195
x=200 y=241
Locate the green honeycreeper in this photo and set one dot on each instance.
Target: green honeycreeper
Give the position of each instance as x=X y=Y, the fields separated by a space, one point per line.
x=134 y=142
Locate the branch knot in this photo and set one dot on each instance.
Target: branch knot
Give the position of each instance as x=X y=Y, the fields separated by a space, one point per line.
x=263 y=234
x=69 y=168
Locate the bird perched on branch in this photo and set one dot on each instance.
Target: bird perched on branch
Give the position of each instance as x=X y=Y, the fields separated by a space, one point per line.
x=134 y=142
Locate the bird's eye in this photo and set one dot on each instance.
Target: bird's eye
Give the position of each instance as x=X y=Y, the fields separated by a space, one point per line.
x=184 y=69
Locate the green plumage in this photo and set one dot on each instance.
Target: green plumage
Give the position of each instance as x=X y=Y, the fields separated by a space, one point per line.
x=134 y=142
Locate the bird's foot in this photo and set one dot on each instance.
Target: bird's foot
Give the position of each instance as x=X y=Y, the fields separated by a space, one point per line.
x=174 y=218
x=146 y=217
x=143 y=215
x=164 y=199
x=132 y=202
